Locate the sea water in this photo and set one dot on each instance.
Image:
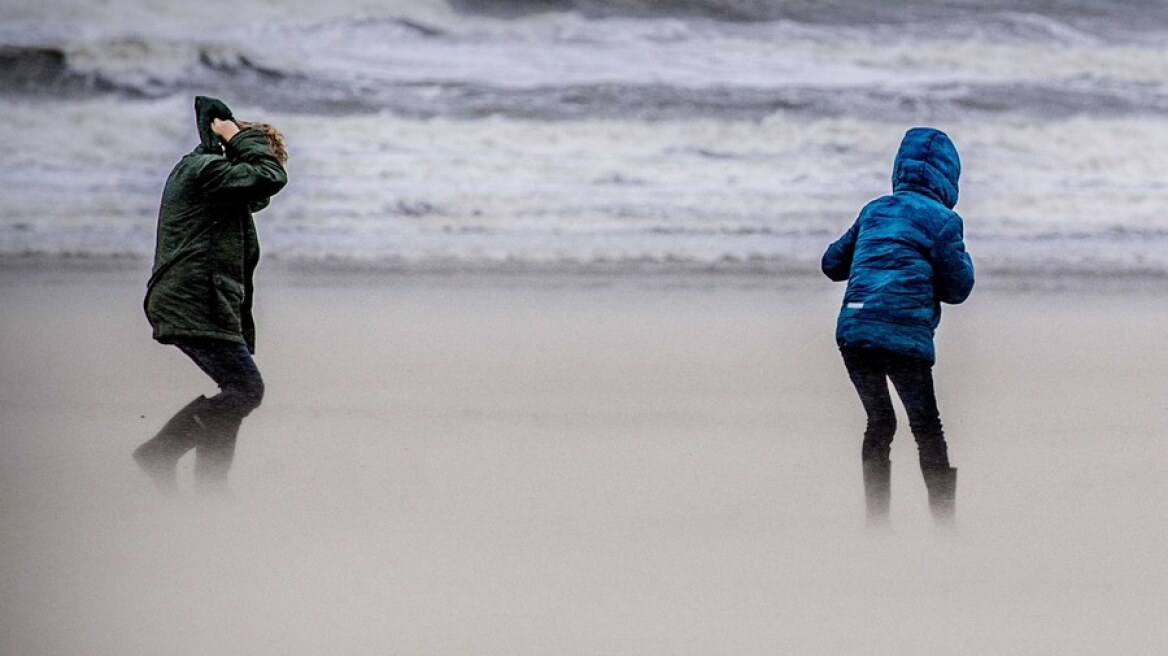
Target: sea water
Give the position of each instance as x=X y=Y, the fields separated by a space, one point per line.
x=740 y=136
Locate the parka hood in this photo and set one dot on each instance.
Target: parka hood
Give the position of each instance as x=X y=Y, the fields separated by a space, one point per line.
x=206 y=110
x=927 y=163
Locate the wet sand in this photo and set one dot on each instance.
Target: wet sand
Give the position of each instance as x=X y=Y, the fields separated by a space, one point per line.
x=555 y=465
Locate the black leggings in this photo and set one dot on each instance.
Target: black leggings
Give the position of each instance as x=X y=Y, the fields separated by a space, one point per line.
x=230 y=365
x=870 y=371
x=209 y=425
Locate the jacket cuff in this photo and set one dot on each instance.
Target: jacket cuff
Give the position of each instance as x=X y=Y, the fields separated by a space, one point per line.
x=241 y=137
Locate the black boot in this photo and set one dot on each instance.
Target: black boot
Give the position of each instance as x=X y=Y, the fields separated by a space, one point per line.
x=212 y=461
x=877 y=491
x=942 y=485
x=159 y=456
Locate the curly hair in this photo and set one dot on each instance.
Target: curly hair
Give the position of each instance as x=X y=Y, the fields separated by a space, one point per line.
x=275 y=139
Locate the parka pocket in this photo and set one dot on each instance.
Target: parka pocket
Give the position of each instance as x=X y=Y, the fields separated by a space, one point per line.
x=228 y=301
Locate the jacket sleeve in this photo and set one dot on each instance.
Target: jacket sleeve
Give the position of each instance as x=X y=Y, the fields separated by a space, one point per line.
x=250 y=173
x=952 y=266
x=837 y=259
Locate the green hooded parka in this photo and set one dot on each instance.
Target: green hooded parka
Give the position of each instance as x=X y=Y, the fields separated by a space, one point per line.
x=207 y=247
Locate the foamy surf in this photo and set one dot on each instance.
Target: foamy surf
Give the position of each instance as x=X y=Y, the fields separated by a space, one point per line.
x=729 y=136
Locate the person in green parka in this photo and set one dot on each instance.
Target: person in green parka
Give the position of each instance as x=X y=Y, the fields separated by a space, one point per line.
x=199 y=297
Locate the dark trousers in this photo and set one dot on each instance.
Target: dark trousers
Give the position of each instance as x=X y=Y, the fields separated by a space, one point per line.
x=209 y=425
x=870 y=371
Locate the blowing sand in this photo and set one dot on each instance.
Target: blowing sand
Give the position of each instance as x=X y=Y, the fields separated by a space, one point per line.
x=457 y=465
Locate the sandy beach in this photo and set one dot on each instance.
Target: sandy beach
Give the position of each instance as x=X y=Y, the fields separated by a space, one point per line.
x=549 y=363
x=557 y=465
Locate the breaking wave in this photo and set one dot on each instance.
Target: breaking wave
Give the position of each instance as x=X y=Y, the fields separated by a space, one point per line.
x=712 y=135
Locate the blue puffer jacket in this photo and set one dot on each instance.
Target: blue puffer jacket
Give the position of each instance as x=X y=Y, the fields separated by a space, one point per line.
x=904 y=255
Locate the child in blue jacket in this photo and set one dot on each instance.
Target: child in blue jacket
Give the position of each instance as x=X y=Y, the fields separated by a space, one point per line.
x=902 y=258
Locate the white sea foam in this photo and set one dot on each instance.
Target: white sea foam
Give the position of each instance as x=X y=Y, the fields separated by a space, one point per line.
x=422 y=136
x=1081 y=193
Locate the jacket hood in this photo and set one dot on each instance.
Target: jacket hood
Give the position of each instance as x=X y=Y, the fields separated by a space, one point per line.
x=206 y=110
x=927 y=163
